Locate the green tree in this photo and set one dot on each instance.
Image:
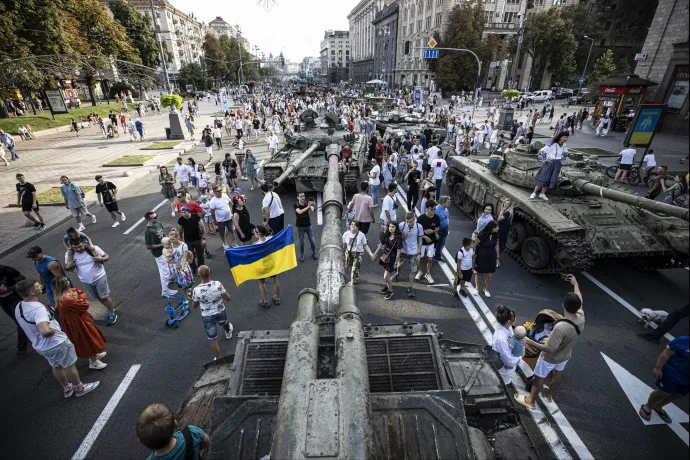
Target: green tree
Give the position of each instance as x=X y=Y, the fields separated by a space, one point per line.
x=191 y=73
x=214 y=57
x=139 y=30
x=549 y=41
x=584 y=23
x=603 y=68
x=623 y=66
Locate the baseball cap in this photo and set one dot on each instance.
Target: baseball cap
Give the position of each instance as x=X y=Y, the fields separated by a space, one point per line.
x=184 y=209
x=203 y=197
x=238 y=190
x=33 y=252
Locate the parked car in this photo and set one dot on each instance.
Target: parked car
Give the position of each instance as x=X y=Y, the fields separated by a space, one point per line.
x=582 y=96
x=543 y=95
x=562 y=93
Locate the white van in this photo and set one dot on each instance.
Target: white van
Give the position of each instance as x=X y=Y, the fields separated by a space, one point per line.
x=543 y=95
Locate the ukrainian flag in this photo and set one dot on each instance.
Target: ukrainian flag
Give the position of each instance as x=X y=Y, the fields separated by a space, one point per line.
x=276 y=255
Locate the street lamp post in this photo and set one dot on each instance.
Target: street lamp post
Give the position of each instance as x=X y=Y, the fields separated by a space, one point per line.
x=517 y=54
x=239 y=50
x=160 y=48
x=579 y=90
x=479 y=72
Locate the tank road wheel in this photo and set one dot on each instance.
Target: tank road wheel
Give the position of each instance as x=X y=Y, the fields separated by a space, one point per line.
x=468 y=204
x=517 y=234
x=536 y=252
x=458 y=194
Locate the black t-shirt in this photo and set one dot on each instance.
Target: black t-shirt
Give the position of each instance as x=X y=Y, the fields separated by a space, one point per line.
x=412 y=183
x=8 y=278
x=106 y=192
x=26 y=192
x=190 y=227
x=429 y=223
x=302 y=220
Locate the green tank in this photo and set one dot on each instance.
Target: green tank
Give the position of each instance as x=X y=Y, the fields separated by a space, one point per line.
x=585 y=219
x=301 y=162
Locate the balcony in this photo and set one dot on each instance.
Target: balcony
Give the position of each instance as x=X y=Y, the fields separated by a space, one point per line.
x=500 y=27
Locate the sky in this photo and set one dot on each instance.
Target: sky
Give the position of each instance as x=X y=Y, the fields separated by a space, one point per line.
x=295 y=27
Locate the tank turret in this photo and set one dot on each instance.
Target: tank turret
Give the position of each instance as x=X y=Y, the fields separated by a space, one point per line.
x=586 y=218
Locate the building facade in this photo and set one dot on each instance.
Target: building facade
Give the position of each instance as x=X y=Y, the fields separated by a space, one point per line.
x=222 y=28
x=385 y=43
x=335 y=55
x=362 y=37
x=665 y=58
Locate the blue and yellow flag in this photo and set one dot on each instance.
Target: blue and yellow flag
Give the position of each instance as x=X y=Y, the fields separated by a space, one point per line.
x=276 y=255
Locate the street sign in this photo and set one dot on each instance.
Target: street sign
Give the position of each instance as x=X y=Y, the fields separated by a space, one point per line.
x=430 y=54
x=432 y=43
x=582 y=80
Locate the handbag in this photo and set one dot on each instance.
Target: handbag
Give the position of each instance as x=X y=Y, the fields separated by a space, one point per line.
x=349 y=257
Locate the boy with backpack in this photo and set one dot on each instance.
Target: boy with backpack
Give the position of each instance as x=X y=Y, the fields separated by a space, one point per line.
x=156 y=429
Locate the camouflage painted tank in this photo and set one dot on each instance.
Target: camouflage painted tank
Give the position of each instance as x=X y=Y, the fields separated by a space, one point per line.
x=403 y=122
x=585 y=219
x=302 y=161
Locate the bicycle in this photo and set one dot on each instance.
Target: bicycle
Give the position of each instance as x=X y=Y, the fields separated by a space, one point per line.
x=633 y=177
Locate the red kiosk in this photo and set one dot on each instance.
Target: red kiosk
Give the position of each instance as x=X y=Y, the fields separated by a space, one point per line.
x=619 y=97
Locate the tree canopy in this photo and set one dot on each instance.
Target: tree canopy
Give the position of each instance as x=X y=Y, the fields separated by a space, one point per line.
x=214 y=57
x=603 y=68
x=139 y=30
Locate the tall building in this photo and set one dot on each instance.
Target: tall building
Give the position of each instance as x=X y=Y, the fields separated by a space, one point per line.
x=385 y=43
x=222 y=28
x=335 y=55
x=665 y=58
x=362 y=37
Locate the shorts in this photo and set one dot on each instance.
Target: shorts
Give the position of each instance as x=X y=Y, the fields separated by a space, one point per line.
x=625 y=167
x=62 y=355
x=543 y=367
x=208 y=218
x=211 y=324
x=669 y=385
x=411 y=260
x=364 y=227
x=112 y=207
x=464 y=275
x=99 y=289
x=184 y=184
x=76 y=212
x=225 y=227
x=27 y=207
x=428 y=250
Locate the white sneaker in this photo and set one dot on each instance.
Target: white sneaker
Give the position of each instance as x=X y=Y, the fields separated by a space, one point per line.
x=173 y=214
x=429 y=279
x=101 y=355
x=252 y=189
x=116 y=224
x=418 y=276
x=228 y=334
x=532 y=196
x=475 y=293
x=225 y=246
x=543 y=197
x=170 y=292
x=486 y=293
x=81 y=228
x=98 y=364
x=85 y=388
x=93 y=219
x=124 y=218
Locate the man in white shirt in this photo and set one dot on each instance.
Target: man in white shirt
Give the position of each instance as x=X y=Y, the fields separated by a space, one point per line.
x=649 y=160
x=218 y=136
x=209 y=296
x=272 y=209
x=91 y=272
x=627 y=159
x=273 y=143
x=388 y=208
x=439 y=166
x=375 y=181
x=221 y=213
x=181 y=173
x=48 y=339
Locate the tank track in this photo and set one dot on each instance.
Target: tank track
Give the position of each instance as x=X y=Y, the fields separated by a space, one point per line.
x=352 y=180
x=580 y=250
x=271 y=174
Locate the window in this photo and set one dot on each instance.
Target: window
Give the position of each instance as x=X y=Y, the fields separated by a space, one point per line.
x=437 y=22
x=613 y=6
x=419 y=25
x=602 y=42
x=332 y=52
x=428 y=22
x=404 y=31
x=488 y=16
x=411 y=28
x=607 y=26
x=510 y=16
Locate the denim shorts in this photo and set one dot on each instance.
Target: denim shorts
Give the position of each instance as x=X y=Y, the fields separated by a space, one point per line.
x=211 y=324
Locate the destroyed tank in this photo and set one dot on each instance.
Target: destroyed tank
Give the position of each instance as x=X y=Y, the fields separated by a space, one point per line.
x=401 y=122
x=333 y=387
x=302 y=162
x=585 y=218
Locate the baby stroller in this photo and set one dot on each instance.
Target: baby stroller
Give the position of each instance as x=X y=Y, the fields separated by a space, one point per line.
x=112 y=132
x=539 y=331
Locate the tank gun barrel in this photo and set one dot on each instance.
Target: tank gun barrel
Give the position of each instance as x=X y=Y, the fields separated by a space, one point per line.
x=295 y=164
x=633 y=200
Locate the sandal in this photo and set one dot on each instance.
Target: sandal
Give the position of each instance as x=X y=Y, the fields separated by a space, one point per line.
x=276 y=300
x=520 y=399
x=664 y=416
x=263 y=303
x=644 y=414
x=548 y=400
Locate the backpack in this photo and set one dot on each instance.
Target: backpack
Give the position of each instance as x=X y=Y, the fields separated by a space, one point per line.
x=188 y=443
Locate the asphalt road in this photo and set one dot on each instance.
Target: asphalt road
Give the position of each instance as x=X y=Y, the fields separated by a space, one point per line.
x=590 y=397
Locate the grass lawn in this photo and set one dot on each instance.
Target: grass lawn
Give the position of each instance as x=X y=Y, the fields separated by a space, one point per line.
x=596 y=151
x=45 y=121
x=161 y=145
x=131 y=160
x=53 y=195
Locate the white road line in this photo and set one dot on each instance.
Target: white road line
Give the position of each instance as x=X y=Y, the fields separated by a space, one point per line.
x=319 y=213
x=620 y=300
x=129 y=230
x=540 y=419
x=105 y=415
